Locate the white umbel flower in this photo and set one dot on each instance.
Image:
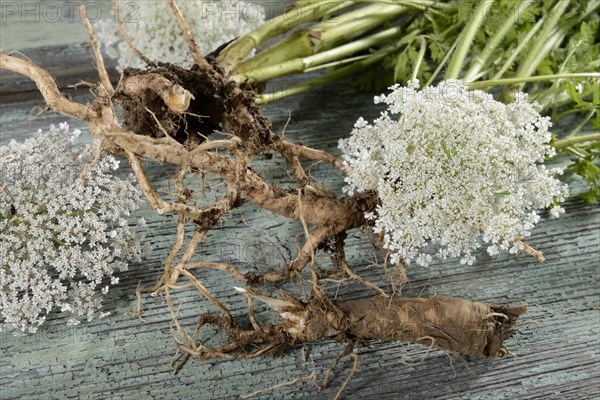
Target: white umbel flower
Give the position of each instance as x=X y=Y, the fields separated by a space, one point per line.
x=157 y=34
x=453 y=168
x=60 y=235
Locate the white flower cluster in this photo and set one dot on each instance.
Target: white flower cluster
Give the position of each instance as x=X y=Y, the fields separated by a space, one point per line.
x=456 y=168
x=157 y=34
x=61 y=237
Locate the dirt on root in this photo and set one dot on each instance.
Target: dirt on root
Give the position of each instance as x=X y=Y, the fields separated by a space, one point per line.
x=447 y=323
x=218 y=105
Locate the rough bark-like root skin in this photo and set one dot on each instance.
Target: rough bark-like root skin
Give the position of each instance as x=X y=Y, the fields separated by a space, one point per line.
x=448 y=323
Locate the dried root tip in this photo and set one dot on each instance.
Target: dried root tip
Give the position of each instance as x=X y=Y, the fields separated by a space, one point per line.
x=496 y=314
x=501 y=328
x=274 y=303
x=530 y=250
x=175 y=97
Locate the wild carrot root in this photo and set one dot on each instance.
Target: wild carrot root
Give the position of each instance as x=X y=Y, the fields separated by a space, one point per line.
x=169 y=115
x=448 y=323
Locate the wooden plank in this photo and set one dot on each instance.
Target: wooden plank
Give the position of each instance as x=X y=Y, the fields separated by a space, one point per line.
x=68 y=64
x=557 y=345
x=34 y=23
x=49 y=33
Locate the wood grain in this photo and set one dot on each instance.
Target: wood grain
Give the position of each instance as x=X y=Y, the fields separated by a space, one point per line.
x=557 y=346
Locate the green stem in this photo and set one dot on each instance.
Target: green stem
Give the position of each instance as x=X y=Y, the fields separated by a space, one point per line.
x=442 y=64
x=420 y=57
x=577 y=152
x=517 y=51
x=323 y=35
x=538 y=78
x=561 y=144
x=306 y=11
x=480 y=60
x=561 y=115
x=331 y=76
x=553 y=35
x=299 y=65
x=466 y=39
x=544 y=42
x=338 y=63
x=58 y=241
x=582 y=123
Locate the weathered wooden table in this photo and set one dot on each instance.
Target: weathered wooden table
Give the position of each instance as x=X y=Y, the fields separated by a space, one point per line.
x=557 y=348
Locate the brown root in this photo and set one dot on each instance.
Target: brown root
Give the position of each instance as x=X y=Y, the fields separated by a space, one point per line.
x=454 y=324
x=47 y=87
x=126 y=37
x=173 y=96
x=108 y=90
x=200 y=100
x=169 y=116
x=448 y=323
x=187 y=34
